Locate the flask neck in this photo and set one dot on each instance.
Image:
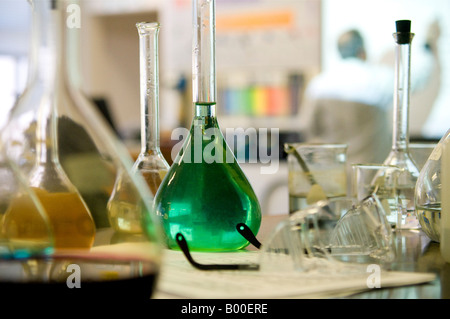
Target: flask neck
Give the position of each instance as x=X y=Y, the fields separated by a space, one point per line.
x=49 y=71
x=149 y=86
x=402 y=91
x=203 y=110
x=203 y=52
x=50 y=40
x=48 y=173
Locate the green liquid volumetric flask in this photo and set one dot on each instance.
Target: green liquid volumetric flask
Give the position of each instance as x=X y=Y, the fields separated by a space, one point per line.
x=205 y=194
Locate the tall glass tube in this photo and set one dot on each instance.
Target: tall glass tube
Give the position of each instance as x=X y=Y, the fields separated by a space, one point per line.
x=151 y=163
x=399 y=155
x=203 y=57
x=205 y=194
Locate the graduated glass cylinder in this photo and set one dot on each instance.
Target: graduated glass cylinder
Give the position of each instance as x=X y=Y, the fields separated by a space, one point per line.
x=205 y=194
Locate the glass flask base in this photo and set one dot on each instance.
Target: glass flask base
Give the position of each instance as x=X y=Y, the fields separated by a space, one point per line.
x=430 y=220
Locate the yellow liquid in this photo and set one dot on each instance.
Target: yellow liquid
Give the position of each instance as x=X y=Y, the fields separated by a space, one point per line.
x=70 y=220
x=125 y=217
x=153 y=178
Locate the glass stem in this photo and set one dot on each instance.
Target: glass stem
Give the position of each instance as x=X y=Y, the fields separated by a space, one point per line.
x=400 y=136
x=50 y=76
x=49 y=73
x=203 y=53
x=149 y=89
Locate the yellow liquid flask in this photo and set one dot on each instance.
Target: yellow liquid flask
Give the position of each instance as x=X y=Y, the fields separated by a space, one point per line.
x=150 y=162
x=25 y=230
x=71 y=158
x=205 y=194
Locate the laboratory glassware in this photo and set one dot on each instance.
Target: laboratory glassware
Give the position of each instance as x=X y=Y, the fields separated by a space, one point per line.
x=150 y=161
x=399 y=155
x=205 y=194
x=70 y=158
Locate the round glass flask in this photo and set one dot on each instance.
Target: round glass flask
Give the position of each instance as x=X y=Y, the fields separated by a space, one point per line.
x=70 y=158
x=205 y=194
x=428 y=192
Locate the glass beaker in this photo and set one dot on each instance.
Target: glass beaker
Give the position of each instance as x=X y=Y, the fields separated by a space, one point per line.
x=428 y=190
x=205 y=194
x=380 y=180
x=70 y=158
x=399 y=154
x=150 y=162
x=316 y=172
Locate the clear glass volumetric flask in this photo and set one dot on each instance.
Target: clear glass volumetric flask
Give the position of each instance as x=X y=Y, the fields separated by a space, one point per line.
x=205 y=194
x=150 y=162
x=399 y=155
x=70 y=159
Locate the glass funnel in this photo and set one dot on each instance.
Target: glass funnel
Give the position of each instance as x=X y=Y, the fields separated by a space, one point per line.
x=150 y=162
x=399 y=155
x=428 y=192
x=70 y=158
x=205 y=194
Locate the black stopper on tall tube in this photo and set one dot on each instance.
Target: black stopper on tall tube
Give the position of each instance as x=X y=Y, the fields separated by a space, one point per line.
x=403 y=31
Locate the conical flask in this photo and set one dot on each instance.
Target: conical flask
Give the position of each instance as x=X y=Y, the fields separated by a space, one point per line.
x=205 y=194
x=71 y=159
x=428 y=192
x=399 y=154
x=150 y=162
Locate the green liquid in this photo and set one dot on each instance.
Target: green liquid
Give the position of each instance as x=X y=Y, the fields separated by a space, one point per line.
x=206 y=200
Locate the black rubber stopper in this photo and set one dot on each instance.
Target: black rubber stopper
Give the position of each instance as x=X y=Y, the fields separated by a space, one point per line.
x=403 y=31
x=403 y=25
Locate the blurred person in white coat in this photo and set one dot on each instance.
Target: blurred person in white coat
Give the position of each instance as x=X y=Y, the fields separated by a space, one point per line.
x=352 y=101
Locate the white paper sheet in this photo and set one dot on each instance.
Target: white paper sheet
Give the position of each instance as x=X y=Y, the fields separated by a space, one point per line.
x=180 y=280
